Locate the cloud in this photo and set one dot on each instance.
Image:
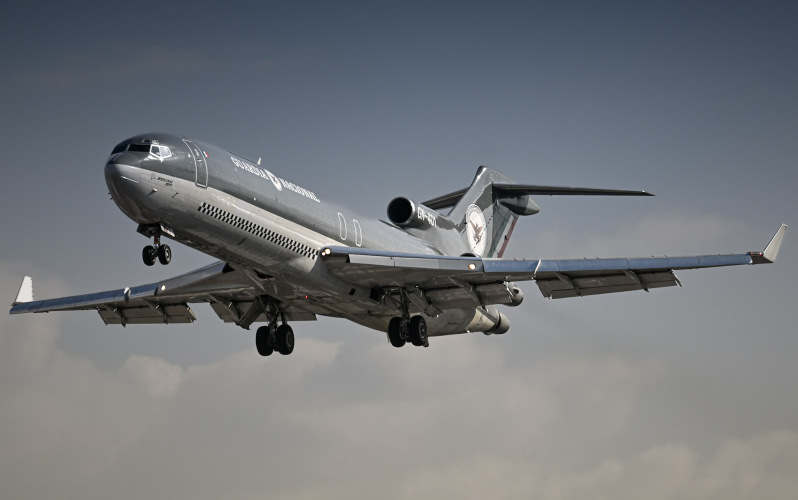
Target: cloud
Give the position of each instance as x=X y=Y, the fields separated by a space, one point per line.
x=458 y=419
x=156 y=377
x=759 y=467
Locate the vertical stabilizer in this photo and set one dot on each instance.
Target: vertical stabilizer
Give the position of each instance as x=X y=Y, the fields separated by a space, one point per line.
x=484 y=220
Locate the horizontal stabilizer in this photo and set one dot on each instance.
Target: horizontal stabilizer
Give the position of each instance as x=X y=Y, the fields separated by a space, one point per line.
x=524 y=189
x=512 y=190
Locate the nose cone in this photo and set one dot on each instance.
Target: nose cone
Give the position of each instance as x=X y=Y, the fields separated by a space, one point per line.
x=123 y=177
x=125 y=158
x=121 y=170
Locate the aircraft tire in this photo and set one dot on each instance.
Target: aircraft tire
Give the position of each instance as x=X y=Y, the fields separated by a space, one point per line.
x=164 y=254
x=263 y=341
x=149 y=255
x=418 y=330
x=285 y=339
x=395 y=332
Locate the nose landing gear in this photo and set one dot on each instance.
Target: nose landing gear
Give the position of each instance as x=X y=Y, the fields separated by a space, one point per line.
x=151 y=253
x=162 y=252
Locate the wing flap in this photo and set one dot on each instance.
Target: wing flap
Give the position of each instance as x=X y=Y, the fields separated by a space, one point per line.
x=564 y=286
x=141 y=315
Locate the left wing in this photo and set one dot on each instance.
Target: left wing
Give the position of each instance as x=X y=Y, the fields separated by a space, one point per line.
x=236 y=296
x=450 y=282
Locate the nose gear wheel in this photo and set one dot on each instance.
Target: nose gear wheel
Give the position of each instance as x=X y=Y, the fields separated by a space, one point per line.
x=161 y=253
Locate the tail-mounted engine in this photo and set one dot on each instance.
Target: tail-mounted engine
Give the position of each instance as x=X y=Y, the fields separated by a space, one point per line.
x=426 y=224
x=405 y=213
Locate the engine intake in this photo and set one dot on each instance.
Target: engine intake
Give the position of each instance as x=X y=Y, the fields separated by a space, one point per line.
x=405 y=213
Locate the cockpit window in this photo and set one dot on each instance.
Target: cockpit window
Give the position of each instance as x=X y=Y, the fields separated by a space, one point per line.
x=161 y=152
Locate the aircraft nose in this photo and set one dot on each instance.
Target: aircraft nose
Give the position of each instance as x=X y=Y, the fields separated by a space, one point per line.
x=122 y=175
x=124 y=158
x=120 y=169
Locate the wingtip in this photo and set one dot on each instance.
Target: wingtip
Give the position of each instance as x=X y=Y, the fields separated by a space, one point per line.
x=25 y=293
x=771 y=251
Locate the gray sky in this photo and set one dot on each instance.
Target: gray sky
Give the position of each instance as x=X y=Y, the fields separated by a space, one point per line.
x=681 y=393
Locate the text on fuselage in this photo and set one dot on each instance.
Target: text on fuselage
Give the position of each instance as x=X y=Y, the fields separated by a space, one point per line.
x=427 y=217
x=278 y=182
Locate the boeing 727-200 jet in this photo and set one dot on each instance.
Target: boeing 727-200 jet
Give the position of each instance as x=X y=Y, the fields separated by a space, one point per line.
x=286 y=254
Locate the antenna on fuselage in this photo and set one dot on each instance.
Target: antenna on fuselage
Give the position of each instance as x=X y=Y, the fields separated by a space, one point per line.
x=259 y=161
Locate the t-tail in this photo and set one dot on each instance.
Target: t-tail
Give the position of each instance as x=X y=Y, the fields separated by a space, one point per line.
x=482 y=217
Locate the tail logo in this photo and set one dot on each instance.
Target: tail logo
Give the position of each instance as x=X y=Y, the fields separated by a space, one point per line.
x=475 y=230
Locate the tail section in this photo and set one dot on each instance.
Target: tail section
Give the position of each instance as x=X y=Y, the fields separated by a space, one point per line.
x=485 y=213
x=485 y=223
x=483 y=216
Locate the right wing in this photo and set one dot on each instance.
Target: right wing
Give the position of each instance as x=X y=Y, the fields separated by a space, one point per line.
x=436 y=283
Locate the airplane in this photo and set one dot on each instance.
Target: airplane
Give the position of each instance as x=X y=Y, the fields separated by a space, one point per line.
x=286 y=254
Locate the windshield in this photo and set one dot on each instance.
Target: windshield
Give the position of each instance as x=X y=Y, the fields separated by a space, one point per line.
x=159 y=151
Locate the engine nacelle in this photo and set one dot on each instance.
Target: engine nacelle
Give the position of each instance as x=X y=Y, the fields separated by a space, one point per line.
x=502 y=324
x=405 y=213
x=499 y=322
x=487 y=320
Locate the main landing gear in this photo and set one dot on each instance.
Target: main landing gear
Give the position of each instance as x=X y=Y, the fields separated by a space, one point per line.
x=403 y=328
x=274 y=338
x=415 y=330
x=160 y=252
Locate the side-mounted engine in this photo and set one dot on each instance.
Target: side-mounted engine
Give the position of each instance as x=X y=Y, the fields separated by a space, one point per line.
x=426 y=224
x=406 y=213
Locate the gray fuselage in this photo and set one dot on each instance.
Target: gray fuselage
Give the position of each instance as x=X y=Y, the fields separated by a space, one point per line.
x=227 y=206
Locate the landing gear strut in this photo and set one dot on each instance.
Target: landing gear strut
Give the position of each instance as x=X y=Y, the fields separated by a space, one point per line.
x=404 y=328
